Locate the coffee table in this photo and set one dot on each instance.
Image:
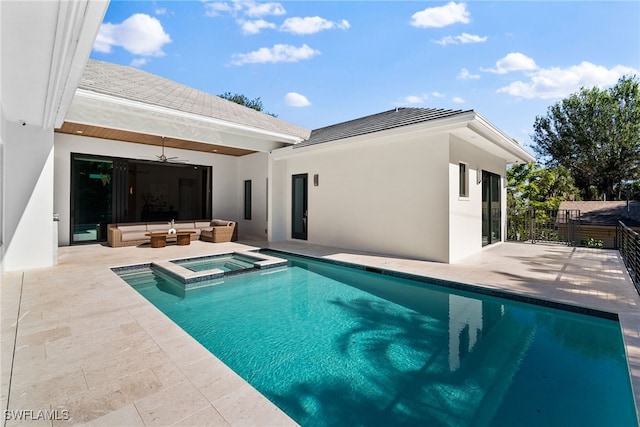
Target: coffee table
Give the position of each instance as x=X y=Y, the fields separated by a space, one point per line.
x=183 y=238
x=158 y=239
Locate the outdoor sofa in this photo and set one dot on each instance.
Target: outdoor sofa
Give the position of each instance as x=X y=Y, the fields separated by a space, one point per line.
x=134 y=233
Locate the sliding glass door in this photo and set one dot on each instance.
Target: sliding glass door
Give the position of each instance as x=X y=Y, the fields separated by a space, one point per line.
x=108 y=190
x=92 y=198
x=491 y=208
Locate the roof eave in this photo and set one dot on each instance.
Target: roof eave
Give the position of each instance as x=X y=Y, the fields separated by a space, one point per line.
x=73 y=41
x=484 y=128
x=105 y=110
x=434 y=126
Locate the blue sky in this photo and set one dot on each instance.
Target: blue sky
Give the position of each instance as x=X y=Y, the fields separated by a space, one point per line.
x=316 y=63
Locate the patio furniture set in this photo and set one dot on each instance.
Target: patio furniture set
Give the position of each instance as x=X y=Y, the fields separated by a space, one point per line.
x=157 y=234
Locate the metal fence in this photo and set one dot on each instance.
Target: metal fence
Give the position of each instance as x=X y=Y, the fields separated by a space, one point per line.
x=629 y=246
x=557 y=226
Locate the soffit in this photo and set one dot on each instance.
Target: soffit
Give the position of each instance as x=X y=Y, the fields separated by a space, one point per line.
x=148 y=139
x=486 y=136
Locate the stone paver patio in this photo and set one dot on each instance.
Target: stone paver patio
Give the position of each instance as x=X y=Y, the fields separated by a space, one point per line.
x=78 y=340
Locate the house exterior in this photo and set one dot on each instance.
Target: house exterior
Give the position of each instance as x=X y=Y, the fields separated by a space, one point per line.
x=78 y=139
x=411 y=182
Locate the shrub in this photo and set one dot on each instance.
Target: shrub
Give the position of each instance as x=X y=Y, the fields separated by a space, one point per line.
x=593 y=243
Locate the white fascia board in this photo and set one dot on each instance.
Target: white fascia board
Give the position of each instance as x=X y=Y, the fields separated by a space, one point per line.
x=487 y=130
x=97 y=109
x=432 y=127
x=77 y=25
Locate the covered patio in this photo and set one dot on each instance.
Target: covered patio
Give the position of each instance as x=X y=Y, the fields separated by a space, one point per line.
x=77 y=338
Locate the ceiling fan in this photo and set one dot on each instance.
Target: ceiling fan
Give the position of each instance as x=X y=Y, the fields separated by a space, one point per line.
x=164 y=159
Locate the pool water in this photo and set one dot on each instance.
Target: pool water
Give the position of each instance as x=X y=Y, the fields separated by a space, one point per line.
x=226 y=263
x=336 y=346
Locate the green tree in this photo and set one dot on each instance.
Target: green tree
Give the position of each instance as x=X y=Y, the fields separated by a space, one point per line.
x=255 y=104
x=595 y=135
x=530 y=186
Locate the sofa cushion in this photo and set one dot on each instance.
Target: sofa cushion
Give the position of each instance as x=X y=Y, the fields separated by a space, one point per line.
x=124 y=228
x=157 y=226
x=220 y=222
x=134 y=235
x=184 y=225
x=203 y=224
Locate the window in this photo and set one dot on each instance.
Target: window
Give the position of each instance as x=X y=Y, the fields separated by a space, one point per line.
x=464 y=180
x=247 y=199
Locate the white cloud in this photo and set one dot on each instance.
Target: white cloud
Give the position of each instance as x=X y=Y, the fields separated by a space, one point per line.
x=466 y=75
x=458 y=100
x=251 y=9
x=463 y=38
x=418 y=99
x=514 y=61
x=294 y=99
x=254 y=27
x=140 y=34
x=138 y=62
x=558 y=82
x=311 y=25
x=278 y=53
x=441 y=16
x=414 y=99
x=218 y=8
x=247 y=13
x=161 y=11
x=255 y=9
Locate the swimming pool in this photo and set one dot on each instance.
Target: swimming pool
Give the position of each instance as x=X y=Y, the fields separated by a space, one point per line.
x=332 y=345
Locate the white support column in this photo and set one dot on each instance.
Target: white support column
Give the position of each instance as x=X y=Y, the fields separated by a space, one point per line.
x=28 y=197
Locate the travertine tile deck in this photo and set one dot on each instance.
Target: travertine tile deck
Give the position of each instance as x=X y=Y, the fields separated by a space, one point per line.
x=78 y=340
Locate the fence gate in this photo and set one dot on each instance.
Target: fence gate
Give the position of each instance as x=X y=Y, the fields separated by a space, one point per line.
x=556 y=226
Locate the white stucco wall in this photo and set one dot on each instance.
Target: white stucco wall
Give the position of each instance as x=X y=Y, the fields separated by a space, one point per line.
x=253 y=167
x=225 y=195
x=465 y=226
x=28 y=197
x=224 y=185
x=279 y=192
x=2 y=183
x=3 y=179
x=385 y=194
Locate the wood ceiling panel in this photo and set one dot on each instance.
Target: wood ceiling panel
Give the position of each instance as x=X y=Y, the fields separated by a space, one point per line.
x=143 y=138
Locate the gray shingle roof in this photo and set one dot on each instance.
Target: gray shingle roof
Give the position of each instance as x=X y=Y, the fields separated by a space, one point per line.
x=606 y=213
x=377 y=122
x=137 y=85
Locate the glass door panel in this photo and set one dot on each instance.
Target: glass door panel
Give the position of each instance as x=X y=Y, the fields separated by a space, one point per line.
x=299 y=207
x=92 y=192
x=491 y=209
x=496 y=211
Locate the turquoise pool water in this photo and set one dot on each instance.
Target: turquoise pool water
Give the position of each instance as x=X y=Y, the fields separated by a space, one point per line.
x=226 y=263
x=336 y=346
